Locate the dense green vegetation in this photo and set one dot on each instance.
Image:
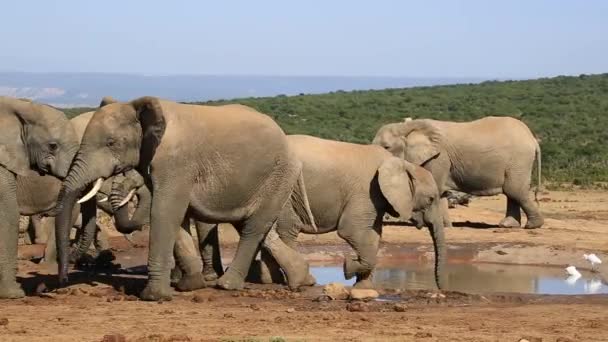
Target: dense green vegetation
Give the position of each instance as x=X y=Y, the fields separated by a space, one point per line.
x=568 y=114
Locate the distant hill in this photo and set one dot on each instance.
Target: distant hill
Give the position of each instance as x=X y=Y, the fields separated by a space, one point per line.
x=568 y=114
x=86 y=89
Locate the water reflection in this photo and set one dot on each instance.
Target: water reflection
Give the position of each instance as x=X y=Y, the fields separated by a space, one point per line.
x=476 y=278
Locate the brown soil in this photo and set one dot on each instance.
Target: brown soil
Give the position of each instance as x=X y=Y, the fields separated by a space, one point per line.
x=101 y=307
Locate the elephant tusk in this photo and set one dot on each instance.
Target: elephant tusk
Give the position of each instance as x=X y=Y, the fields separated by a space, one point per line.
x=127 y=199
x=93 y=191
x=104 y=199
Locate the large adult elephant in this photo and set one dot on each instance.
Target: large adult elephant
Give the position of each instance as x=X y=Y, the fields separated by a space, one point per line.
x=484 y=157
x=34 y=139
x=218 y=164
x=350 y=187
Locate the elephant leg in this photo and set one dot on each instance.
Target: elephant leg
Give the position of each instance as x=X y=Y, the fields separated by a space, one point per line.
x=25 y=230
x=519 y=193
x=187 y=259
x=445 y=212
x=50 y=250
x=9 y=236
x=169 y=205
x=209 y=247
x=40 y=229
x=101 y=241
x=364 y=237
x=513 y=217
x=292 y=263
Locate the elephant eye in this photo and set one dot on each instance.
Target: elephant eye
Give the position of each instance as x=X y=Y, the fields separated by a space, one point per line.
x=111 y=142
x=431 y=200
x=386 y=147
x=53 y=146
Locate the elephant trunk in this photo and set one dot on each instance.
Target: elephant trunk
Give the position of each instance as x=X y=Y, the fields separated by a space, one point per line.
x=76 y=181
x=435 y=224
x=140 y=217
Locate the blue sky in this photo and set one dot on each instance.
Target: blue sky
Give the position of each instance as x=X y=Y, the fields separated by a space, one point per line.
x=429 y=38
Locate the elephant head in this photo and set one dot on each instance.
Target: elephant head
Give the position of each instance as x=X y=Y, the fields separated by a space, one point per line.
x=411 y=190
x=119 y=138
x=417 y=141
x=124 y=188
x=35 y=137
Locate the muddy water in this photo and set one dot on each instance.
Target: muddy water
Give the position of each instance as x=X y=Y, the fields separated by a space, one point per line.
x=474 y=278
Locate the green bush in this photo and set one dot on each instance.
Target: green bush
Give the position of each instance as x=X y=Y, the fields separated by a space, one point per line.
x=568 y=114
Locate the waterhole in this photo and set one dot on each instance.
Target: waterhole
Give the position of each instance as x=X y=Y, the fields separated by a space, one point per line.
x=474 y=278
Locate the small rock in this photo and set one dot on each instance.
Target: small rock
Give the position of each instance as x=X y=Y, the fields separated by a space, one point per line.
x=3 y=321
x=41 y=288
x=322 y=298
x=228 y=315
x=357 y=307
x=198 y=298
x=564 y=339
x=290 y=310
x=254 y=307
x=400 y=307
x=114 y=338
x=335 y=291
x=47 y=295
x=63 y=290
x=500 y=252
x=422 y=334
x=362 y=294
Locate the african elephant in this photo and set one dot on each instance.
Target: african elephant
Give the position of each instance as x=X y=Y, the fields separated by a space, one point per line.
x=34 y=139
x=484 y=157
x=350 y=187
x=217 y=164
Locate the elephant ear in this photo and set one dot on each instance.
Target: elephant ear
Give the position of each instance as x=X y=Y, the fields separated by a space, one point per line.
x=106 y=100
x=15 y=116
x=422 y=141
x=397 y=185
x=152 y=120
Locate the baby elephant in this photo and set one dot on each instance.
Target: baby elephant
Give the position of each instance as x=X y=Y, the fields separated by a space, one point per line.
x=349 y=188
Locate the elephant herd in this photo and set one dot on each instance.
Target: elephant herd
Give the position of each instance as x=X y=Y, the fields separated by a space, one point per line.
x=233 y=164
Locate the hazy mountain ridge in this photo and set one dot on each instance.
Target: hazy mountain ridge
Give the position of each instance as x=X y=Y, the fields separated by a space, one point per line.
x=86 y=89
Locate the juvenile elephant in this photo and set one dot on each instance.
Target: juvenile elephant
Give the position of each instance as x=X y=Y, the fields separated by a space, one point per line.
x=34 y=139
x=350 y=187
x=216 y=164
x=484 y=157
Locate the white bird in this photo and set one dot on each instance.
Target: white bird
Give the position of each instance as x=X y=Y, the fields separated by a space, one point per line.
x=593 y=286
x=593 y=259
x=572 y=279
x=572 y=271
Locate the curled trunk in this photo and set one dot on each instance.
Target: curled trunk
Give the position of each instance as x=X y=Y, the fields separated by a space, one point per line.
x=140 y=217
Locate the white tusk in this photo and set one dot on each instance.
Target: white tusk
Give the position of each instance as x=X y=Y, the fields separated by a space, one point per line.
x=127 y=199
x=93 y=191
x=104 y=199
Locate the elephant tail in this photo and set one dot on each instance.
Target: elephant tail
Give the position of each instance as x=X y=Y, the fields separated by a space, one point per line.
x=538 y=173
x=299 y=200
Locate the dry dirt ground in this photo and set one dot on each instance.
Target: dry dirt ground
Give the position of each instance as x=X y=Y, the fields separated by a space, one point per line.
x=103 y=308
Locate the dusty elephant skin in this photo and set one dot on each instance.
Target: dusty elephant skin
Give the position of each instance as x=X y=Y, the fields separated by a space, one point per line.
x=34 y=139
x=349 y=188
x=484 y=157
x=234 y=166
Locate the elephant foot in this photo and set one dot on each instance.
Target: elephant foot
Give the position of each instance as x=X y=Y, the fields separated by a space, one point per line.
x=535 y=223
x=176 y=275
x=11 y=290
x=156 y=292
x=351 y=267
x=191 y=282
x=364 y=284
x=509 y=222
x=231 y=281
x=210 y=276
x=447 y=224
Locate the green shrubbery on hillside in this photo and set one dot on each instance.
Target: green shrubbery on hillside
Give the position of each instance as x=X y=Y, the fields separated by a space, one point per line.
x=568 y=114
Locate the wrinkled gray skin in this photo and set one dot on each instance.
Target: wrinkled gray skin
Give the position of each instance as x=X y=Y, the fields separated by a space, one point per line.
x=349 y=188
x=34 y=139
x=484 y=157
x=240 y=170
